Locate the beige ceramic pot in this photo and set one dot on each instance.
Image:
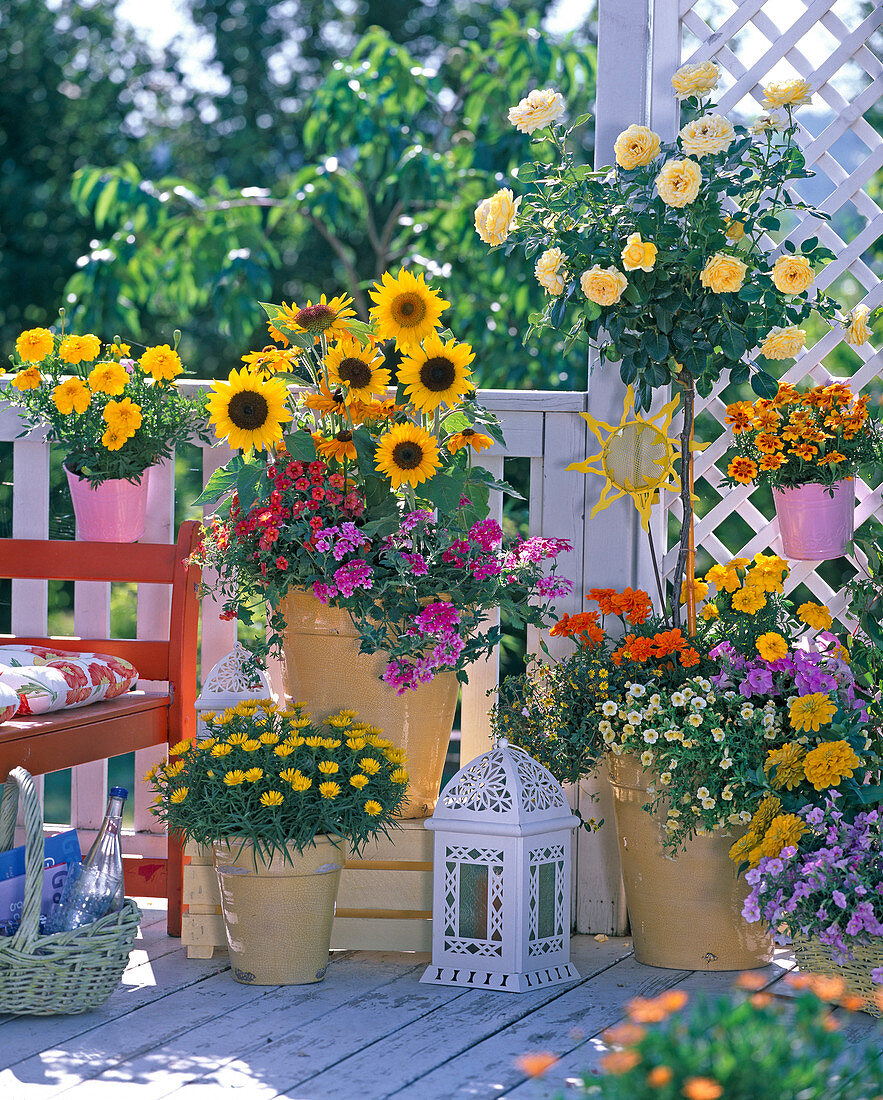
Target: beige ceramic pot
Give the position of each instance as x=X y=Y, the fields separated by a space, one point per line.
x=685 y=913
x=324 y=669
x=278 y=914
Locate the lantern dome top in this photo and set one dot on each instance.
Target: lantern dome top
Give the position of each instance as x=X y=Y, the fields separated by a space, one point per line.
x=231 y=679
x=506 y=787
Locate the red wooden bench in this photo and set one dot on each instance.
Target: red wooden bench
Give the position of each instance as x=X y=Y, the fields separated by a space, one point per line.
x=62 y=739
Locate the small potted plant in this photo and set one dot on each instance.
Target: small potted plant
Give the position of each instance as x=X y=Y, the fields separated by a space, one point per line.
x=280 y=800
x=808 y=447
x=116 y=416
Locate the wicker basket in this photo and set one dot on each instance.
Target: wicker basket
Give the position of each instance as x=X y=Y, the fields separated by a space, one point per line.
x=69 y=971
x=814 y=957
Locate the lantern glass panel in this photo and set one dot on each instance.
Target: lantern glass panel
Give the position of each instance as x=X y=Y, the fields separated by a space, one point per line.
x=546 y=900
x=473 y=901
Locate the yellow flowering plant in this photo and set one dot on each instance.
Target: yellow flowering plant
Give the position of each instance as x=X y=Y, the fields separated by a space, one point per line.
x=267 y=774
x=116 y=414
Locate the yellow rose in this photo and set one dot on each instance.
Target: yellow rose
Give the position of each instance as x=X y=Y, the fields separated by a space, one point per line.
x=792 y=274
x=494 y=216
x=783 y=343
x=678 y=182
x=706 y=135
x=638 y=254
x=537 y=109
x=794 y=93
x=695 y=79
x=857 y=329
x=770 y=120
x=604 y=286
x=34 y=345
x=550 y=271
x=636 y=146
x=734 y=229
x=723 y=273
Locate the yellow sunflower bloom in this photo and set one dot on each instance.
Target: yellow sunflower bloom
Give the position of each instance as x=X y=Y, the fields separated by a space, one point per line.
x=34 y=345
x=809 y=712
x=438 y=373
x=406 y=309
x=248 y=410
x=72 y=396
x=407 y=453
x=326 y=401
x=338 y=447
x=162 y=363
x=469 y=437
x=328 y=317
x=359 y=368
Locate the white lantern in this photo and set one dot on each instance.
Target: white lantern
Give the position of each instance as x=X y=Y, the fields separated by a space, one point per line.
x=501 y=876
x=228 y=683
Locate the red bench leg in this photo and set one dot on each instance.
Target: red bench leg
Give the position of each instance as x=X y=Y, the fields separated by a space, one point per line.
x=175 y=872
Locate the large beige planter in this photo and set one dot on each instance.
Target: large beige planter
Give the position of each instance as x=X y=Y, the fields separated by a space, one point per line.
x=685 y=913
x=324 y=669
x=278 y=915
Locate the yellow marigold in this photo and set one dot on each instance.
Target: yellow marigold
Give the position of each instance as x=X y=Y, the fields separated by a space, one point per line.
x=678 y=182
x=724 y=274
x=28 y=379
x=638 y=254
x=785 y=93
x=494 y=216
x=792 y=274
x=784 y=831
x=783 y=343
x=771 y=646
x=179 y=795
x=723 y=577
x=604 y=286
x=359 y=781
x=809 y=712
x=539 y=108
x=124 y=415
x=636 y=147
x=856 y=324
x=161 y=363
x=34 y=345
x=109 y=378
x=373 y=808
x=815 y=615
x=234 y=778
x=707 y=135
x=71 y=396
x=788 y=764
x=695 y=80
x=742 y=469
x=709 y=612
x=328 y=789
x=79 y=349
x=550 y=271
x=749 y=599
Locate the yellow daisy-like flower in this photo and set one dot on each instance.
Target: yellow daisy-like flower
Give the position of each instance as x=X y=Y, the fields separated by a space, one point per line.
x=28 y=379
x=109 y=378
x=794 y=93
x=695 y=80
x=315 y=741
x=788 y=764
x=302 y=783
x=407 y=453
x=179 y=795
x=603 y=286
x=288 y=775
x=173 y=770
x=539 y=108
x=406 y=309
x=248 y=410
x=161 y=363
x=79 y=349
x=373 y=808
x=469 y=438
x=179 y=748
x=792 y=274
x=34 y=345
x=328 y=767
x=222 y=750
x=71 y=396
x=395 y=756
x=269 y=738
x=369 y=765
x=399 y=776
x=340 y=447
x=329 y=789
x=356 y=744
x=359 y=781
x=815 y=615
x=206 y=743
x=234 y=778
x=830 y=762
x=436 y=374
x=783 y=343
x=771 y=646
x=376 y=739
x=636 y=147
x=723 y=274
x=707 y=135
x=679 y=181
x=742 y=469
x=283 y=750
x=638 y=254
x=550 y=271
x=254 y=774
x=358 y=367
x=784 y=830
x=272 y=798
x=809 y=712
x=858 y=331
x=494 y=216
x=329 y=318
x=125 y=415
x=237 y=738
x=251 y=744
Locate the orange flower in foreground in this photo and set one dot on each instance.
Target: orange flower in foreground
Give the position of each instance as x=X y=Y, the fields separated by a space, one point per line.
x=652 y=1010
x=689 y=657
x=702 y=1088
x=620 y=1061
x=667 y=641
x=659 y=1076
x=535 y=1063
x=602 y=597
x=751 y=980
x=624 y=1035
x=742 y=469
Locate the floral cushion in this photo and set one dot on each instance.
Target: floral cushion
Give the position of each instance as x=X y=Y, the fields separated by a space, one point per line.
x=47 y=679
x=9 y=703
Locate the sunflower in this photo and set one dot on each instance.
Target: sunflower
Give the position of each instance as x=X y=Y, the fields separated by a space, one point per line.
x=329 y=318
x=469 y=437
x=339 y=446
x=407 y=453
x=326 y=401
x=248 y=410
x=271 y=359
x=406 y=309
x=437 y=373
x=359 y=368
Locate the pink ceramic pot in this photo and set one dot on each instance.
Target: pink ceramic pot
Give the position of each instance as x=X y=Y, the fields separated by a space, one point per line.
x=814 y=525
x=113 y=512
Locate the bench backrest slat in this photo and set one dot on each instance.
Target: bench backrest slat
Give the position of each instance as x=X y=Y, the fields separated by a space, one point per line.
x=87 y=561
x=151 y=658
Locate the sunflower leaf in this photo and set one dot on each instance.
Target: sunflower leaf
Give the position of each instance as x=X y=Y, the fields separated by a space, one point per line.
x=221 y=481
x=445 y=490
x=300 y=445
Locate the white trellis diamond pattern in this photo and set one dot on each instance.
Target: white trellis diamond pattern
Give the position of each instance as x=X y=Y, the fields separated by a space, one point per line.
x=829 y=43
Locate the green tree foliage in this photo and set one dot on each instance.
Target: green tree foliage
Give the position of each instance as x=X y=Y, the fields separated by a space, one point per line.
x=394 y=156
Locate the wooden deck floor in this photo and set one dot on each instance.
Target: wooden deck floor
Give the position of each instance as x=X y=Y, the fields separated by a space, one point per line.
x=184 y=1028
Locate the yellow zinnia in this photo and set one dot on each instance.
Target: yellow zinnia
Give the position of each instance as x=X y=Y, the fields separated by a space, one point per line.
x=248 y=410
x=788 y=764
x=828 y=763
x=809 y=712
x=784 y=831
x=436 y=374
x=771 y=646
x=407 y=453
x=34 y=345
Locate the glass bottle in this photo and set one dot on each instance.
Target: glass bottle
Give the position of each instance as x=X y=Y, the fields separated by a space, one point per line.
x=95 y=887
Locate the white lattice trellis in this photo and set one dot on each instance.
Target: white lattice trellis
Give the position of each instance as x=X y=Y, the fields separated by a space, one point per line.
x=828 y=43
